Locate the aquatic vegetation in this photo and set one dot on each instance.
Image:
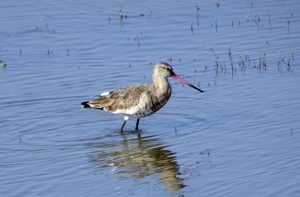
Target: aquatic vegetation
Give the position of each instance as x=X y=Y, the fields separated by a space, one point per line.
x=2 y=64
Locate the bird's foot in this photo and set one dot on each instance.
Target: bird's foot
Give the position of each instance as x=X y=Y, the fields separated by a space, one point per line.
x=125 y=132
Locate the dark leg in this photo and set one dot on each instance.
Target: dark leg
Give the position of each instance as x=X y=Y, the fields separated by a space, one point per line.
x=137 y=124
x=122 y=127
x=139 y=134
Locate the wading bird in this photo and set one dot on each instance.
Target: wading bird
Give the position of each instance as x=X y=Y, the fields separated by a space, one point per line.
x=139 y=100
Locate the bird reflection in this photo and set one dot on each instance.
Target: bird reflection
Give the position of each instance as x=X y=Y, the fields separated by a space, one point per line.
x=138 y=158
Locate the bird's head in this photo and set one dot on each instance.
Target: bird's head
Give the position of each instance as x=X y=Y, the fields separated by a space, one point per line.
x=165 y=70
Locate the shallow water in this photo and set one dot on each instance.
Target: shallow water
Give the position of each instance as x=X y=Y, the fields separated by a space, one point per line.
x=239 y=138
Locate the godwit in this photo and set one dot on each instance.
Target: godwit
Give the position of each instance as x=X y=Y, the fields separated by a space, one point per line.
x=139 y=100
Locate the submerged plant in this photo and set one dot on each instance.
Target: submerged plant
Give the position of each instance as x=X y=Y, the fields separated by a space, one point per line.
x=2 y=64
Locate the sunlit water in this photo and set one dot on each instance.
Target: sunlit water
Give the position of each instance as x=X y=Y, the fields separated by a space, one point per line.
x=239 y=138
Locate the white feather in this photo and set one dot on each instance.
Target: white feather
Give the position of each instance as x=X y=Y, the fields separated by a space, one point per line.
x=104 y=93
x=126 y=118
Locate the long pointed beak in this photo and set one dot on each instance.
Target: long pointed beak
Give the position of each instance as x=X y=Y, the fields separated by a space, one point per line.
x=176 y=77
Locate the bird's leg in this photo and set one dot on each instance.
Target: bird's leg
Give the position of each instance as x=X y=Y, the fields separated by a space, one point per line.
x=139 y=134
x=122 y=127
x=137 y=124
x=125 y=120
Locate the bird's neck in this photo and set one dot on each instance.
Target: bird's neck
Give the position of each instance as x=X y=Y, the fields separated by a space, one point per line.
x=161 y=84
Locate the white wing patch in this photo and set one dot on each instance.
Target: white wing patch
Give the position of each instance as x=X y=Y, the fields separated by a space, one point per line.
x=104 y=93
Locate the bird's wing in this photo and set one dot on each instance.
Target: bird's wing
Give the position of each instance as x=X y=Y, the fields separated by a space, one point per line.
x=122 y=98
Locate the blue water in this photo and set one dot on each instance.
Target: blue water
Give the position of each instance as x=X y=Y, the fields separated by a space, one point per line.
x=239 y=138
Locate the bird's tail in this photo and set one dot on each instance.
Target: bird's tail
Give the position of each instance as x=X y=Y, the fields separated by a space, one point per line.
x=85 y=104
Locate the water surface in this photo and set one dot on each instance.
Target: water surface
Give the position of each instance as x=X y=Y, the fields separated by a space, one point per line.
x=239 y=138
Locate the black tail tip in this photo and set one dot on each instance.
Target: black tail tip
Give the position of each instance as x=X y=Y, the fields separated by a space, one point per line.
x=85 y=104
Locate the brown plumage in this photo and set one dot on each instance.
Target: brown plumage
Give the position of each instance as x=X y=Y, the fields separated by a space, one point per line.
x=122 y=100
x=139 y=100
